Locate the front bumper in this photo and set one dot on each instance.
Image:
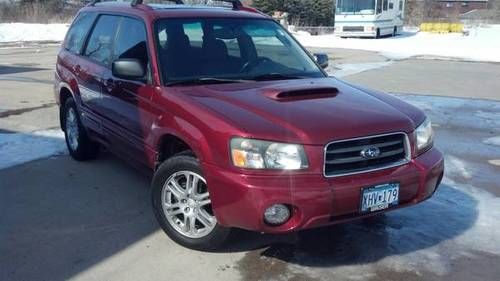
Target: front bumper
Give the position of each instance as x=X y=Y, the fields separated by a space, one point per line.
x=240 y=200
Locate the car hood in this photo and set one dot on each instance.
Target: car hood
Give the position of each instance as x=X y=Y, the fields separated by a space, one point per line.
x=307 y=111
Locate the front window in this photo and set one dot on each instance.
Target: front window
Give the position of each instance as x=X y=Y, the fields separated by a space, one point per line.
x=355 y=7
x=231 y=49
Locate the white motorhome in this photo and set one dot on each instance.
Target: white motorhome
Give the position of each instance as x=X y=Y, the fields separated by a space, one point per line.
x=368 y=18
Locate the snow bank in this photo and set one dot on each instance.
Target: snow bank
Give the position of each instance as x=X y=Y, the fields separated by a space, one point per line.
x=20 y=148
x=16 y=32
x=493 y=141
x=482 y=44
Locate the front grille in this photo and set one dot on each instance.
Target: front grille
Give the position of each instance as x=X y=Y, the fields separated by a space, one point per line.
x=353 y=29
x=345 y=157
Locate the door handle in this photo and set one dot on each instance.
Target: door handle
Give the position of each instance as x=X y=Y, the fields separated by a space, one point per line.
x=77 y=69
x=109 y=84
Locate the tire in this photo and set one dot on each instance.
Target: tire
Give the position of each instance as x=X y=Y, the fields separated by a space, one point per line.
x=80 y=146
x=395 y=31
x=185 y=207
x=377 y=35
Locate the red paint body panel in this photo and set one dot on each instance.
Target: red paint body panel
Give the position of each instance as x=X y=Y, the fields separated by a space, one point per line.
x=132 y=118
x=240 y=199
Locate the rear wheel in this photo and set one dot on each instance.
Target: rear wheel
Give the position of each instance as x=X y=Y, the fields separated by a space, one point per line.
x=182 y=204
x=80 y=146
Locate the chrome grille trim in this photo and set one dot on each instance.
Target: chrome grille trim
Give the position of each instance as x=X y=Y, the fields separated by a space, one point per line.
x=406 y=149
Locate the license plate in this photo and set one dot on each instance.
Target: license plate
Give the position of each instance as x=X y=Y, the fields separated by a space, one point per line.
x=379 y=197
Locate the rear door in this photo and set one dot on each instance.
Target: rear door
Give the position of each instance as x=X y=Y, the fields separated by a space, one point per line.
x=75 y=70
x=130 y=113
x=97 y=60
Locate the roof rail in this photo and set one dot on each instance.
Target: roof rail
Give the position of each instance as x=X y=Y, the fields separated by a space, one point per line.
x=93 y=2
x=237 y=5
x=137 y=2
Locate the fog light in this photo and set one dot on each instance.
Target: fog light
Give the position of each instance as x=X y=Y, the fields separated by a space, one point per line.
x=277 y=214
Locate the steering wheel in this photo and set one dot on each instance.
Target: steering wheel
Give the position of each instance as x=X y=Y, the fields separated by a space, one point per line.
x=249 y=65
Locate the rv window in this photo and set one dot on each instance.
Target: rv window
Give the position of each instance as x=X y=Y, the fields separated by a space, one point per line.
x=355 y=7
x=385 y=4
x=391 y=6
x=400 y=5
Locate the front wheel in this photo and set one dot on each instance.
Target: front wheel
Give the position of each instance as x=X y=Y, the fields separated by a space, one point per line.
x=182 y=204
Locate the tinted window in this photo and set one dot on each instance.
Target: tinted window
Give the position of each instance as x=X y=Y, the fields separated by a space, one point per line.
x=191 y=49
x=385 y=4
x=100 y=43
x=276 y=48
x=78 y=31
x=131 y=41
x=194 y=32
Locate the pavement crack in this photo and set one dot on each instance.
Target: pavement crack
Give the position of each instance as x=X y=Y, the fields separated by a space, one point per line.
x=20 y=111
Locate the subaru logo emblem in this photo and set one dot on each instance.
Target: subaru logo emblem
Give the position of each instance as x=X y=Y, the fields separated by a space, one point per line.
x=370 y=152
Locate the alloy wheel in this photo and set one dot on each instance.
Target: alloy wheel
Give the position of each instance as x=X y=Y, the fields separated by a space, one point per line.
x=72 y=132
x=186 y=204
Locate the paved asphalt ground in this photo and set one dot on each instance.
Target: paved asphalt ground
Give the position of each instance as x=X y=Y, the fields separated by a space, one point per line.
x=60 y=219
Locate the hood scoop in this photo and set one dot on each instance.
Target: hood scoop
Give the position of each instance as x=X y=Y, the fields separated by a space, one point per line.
x=302 y=94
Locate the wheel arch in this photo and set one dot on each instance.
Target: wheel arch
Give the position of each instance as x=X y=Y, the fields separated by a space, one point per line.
x=64 y=94
x=170 y=145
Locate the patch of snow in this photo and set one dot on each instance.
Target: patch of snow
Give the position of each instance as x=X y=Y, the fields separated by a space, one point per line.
x=17 y=32
x=301 y=33
x=20 y=148
x=482 y=44
x=457 y=166
x=494 y=162
x=347 y=69
x=493 y=141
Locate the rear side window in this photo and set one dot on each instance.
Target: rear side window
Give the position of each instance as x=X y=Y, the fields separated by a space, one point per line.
x=78 y=31
x=100 y=44
x=131 y=41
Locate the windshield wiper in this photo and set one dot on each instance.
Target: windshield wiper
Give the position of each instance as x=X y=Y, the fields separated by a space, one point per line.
x=275 y=76
x=204 y=81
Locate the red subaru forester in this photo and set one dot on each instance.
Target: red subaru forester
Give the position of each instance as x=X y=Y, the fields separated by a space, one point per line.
x=240 y=124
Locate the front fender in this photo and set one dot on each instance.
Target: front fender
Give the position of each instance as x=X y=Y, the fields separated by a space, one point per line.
x=181 y=129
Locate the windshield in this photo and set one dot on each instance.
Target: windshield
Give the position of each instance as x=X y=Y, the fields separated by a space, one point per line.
x=238 y=49
x=355 y=7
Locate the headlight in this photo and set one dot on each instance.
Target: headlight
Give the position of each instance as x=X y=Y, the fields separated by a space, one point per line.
x=424 y=135
x=257 y=154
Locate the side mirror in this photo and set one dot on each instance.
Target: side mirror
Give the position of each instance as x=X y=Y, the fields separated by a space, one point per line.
x=128 y=69
x=322 y=60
